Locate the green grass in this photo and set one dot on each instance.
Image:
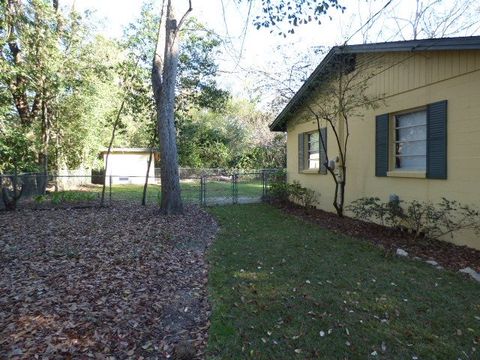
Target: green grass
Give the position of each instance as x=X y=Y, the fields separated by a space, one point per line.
x=134 y=192
x=190 y=191
x=276 y=282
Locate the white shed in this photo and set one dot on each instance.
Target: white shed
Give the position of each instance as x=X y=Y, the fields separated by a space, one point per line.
x=129 y=165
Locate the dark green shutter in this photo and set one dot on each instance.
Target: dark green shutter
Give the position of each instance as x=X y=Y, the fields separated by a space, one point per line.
x=381 y=144
x=323 y=154
x=437 y=140
x=301 y=152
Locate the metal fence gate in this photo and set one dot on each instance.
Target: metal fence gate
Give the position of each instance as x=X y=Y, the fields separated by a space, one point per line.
x=54 y=191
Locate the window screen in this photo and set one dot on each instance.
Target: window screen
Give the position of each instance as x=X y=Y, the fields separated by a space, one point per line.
x=313 y=151
x=411 y=141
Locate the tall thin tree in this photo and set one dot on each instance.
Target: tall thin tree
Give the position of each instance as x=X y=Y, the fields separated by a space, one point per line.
x=164 y=74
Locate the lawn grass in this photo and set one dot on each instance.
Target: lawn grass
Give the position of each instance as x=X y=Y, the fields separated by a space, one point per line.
x=190 y=191
x=282 y=288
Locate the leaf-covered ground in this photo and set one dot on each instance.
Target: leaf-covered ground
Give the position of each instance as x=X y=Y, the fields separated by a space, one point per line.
x=122 y=282
x=284 y=288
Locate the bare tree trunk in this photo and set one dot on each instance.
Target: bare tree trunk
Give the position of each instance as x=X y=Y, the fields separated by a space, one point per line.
x=114 y=130
x=164 y=74
x=145 y=186
x=10 y=199
x=112 y=138
x=45 y=137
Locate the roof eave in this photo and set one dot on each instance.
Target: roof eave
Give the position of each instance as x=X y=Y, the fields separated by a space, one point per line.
x=439 y=44
x=279 y=124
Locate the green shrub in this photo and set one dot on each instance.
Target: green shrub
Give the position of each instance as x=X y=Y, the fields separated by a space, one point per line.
x=421 y=219
x=278 y=186
x=301 y=195
x=369 y=209
x=39 y=199
x=72 y=196
x=280 y=190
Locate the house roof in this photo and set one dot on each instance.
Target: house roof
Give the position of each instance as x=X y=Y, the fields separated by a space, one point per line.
x=438 y=44
x=127 y=150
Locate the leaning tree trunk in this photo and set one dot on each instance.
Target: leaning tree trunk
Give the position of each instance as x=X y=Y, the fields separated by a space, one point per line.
x=164 y=79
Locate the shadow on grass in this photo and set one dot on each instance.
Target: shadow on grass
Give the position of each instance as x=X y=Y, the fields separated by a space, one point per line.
x=282 y=288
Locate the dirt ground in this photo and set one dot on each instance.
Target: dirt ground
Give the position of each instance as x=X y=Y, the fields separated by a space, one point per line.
x=120 y=282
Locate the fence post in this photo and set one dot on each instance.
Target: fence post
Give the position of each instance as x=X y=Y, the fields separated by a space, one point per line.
x=264 y=184
x=234 y=188
x=202 y=191
x=110 y=190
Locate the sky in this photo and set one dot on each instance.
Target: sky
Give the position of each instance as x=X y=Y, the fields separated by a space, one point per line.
x=245 y=47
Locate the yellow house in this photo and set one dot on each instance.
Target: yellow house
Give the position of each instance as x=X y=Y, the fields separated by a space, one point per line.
x=413 y=126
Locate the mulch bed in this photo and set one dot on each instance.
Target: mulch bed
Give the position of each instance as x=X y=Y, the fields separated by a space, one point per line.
x=448 y=255
x=119 y=282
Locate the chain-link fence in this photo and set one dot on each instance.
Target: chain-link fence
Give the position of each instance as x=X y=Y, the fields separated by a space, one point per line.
x=200 y=187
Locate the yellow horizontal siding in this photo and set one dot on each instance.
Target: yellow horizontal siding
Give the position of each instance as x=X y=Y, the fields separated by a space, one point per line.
x=407 y=81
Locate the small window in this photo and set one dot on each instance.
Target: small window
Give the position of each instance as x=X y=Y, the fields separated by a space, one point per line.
x=411 y=141
x=313 y=151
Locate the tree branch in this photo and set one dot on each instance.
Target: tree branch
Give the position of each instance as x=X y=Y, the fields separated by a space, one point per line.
x=184 y=17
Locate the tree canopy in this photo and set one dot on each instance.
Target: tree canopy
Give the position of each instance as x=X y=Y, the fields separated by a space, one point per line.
x=279 y=15
x=62 y=84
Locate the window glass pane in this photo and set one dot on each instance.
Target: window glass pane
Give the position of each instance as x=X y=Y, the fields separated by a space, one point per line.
x=411 y=133
x=412 y=148
x=411 y=141
x=412 y=119
x=314 y=164
x=313 y=152
x=411 y=162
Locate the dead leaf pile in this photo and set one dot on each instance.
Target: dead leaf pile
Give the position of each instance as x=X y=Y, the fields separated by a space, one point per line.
x=122 y=282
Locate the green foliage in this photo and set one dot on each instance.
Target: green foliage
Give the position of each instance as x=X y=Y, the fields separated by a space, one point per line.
x=443 y=218
x=72 y=196
x=196 y=87
x=197 y=70
x=269 y=154
x=302 y=195
x=16 y=153
x=79 y=81
x=419 y=218
x=282 y=191
x=64 y=76
x=370 y=209
x=236 y=138
x=40 y=199
x=278 y=188
x=276 y=13
x=213 y=130
x=207 y=140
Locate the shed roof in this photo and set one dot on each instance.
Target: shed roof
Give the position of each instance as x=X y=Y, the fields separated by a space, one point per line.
x=127 y=150
x=437 y=44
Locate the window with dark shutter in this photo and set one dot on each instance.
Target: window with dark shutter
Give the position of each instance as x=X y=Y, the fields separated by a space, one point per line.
x=323 y=147
x=437 y=140
x=301 y=152
x=381 y=144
